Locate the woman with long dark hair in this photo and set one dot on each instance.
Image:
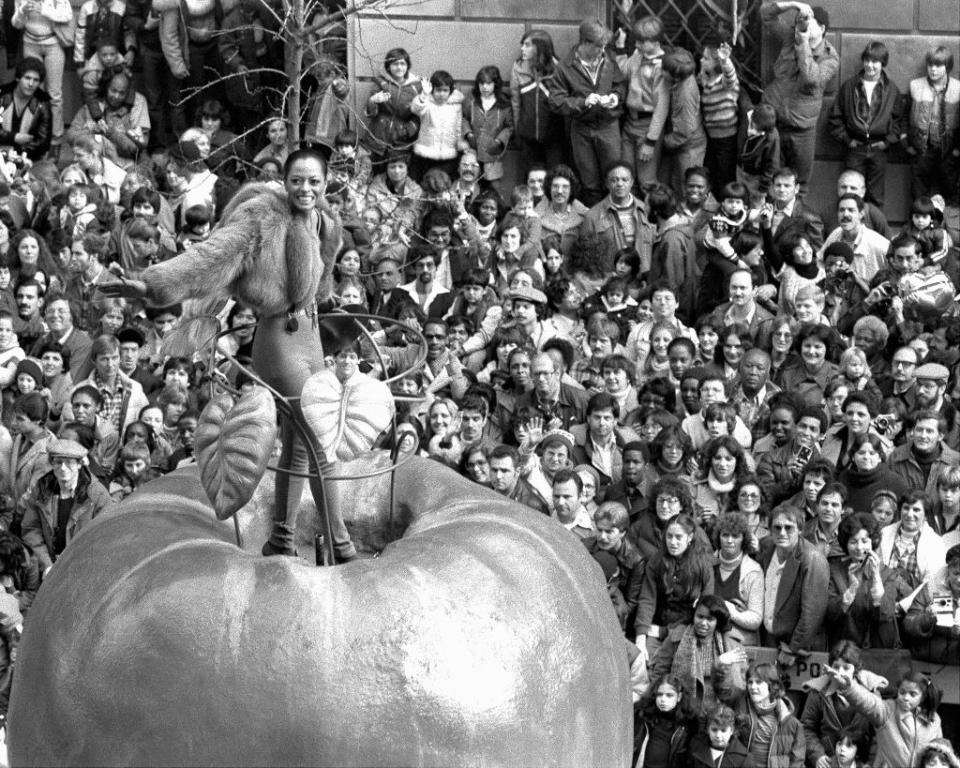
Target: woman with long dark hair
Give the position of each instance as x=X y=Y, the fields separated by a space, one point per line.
x=675 y=578
x=539 y=133
x=723 y=463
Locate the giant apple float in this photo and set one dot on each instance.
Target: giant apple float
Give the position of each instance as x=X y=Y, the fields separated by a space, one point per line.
x=482 y=635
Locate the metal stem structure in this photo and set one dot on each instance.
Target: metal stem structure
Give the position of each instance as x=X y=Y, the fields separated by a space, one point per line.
x=317 y=459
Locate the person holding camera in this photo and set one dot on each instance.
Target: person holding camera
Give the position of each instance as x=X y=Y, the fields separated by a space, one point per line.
x=869 y=247
x=883 y=299
x=805 y=66
x=932 y=624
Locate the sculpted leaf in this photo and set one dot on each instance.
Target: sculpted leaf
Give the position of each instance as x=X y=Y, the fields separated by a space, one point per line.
x=234 y=442
x=346 y=417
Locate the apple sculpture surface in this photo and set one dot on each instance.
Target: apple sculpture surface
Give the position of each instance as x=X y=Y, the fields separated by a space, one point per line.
x=482 y=635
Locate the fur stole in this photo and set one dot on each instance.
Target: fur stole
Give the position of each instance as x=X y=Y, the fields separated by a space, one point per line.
x=260 y=252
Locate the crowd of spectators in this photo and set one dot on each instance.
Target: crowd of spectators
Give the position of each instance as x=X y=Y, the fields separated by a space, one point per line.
x=743 y=403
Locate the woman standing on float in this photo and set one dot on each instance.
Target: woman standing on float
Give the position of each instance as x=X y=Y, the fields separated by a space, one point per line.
x=274 y=250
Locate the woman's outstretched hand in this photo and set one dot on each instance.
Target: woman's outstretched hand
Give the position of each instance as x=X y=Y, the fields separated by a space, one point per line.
x=124 y=289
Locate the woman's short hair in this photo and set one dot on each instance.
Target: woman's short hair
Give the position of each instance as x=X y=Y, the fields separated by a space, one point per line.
x=396 y=54
x=914 y=496
x=734 y=524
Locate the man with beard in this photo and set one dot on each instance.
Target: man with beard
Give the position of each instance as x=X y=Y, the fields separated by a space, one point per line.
x=853 y=182
x=28 y=324
x=432 y=298
x=88 y=275
x=924 y=457
x=59 y=317
x=932 y=379
x=869 y=247
x=467 y=186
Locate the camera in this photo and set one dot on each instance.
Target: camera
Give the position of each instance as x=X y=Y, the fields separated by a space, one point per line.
x=803 y=454
x=882 y=423
x=942 y=605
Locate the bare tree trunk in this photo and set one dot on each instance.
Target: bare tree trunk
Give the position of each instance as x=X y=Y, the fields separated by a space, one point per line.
x=294 y=67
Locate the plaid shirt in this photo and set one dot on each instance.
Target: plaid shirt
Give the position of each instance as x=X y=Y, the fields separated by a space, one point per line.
x=588 y=375
x=904 y=557
x=112 y=405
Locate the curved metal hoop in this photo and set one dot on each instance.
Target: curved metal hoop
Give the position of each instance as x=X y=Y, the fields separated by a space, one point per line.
x=315 y=452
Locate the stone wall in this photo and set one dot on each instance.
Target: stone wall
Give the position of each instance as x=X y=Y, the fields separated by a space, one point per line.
x=463 y=35
x=909 y=28
x=460 y=36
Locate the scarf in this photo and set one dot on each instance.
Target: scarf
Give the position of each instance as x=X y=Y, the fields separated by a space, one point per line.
x=693 y=663
x=666 y=471
x=727 y=567
x=807 y=271
x=763 y=708
x=656 y=368
x=718 y=487
x=857 y=478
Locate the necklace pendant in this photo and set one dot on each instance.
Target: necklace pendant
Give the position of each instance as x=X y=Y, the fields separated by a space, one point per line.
x=293 y=324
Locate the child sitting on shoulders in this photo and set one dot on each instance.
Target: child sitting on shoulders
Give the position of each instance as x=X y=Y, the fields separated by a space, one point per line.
x=522 y=208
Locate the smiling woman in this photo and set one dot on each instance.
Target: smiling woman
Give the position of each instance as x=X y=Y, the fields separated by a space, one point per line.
x=275 y=250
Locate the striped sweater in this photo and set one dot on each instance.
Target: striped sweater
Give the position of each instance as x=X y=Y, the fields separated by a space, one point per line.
x=719 y=102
